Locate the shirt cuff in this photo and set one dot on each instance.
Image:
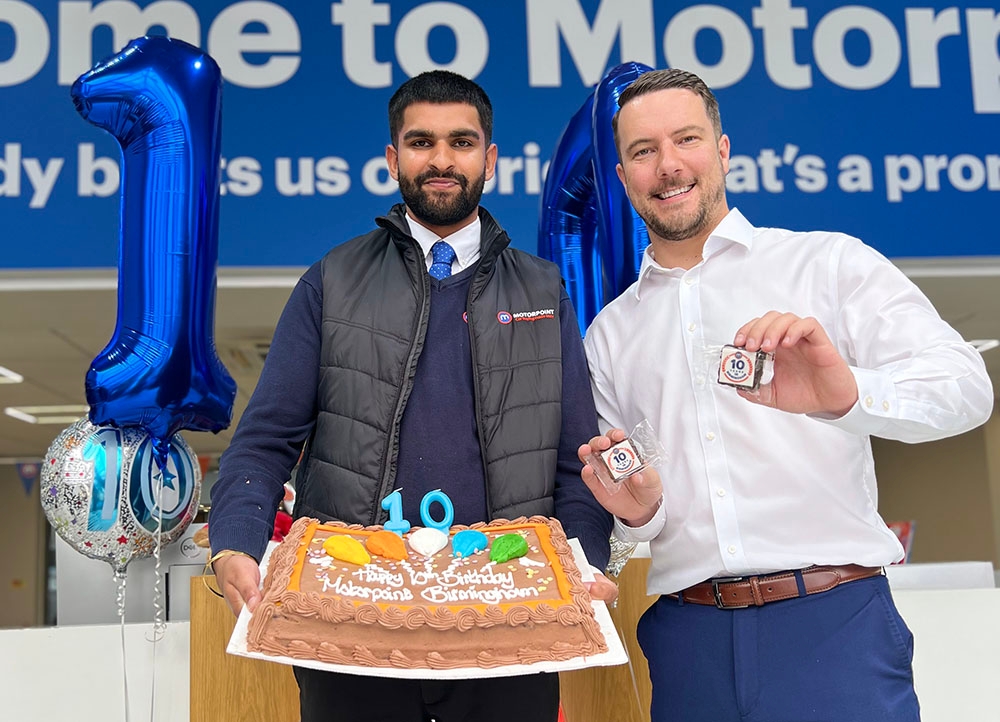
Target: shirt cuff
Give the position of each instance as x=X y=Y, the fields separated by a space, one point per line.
x=641 y=533
x=874 y=409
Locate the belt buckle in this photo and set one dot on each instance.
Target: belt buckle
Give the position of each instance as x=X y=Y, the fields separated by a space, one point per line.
x=717 y=593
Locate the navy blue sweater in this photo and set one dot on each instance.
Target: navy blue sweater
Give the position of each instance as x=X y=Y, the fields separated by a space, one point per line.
x=438 y=445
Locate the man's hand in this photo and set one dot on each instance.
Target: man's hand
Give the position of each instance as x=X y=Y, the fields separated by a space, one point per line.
x=638 y=496
x=810 y=376
x=602 y=588
x=239 y=581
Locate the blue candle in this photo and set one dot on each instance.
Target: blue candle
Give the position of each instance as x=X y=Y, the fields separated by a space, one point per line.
x=425 y=510
x=396 y=523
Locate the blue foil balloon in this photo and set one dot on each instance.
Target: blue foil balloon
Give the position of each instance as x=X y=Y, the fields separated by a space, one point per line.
x=587 y=225
x=162 y=100
x=567 y=232
x=622 y=235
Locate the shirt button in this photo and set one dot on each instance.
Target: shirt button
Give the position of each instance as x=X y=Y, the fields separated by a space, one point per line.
x=688 y=280
x=868 y=401
x=731 y=549
x=700 y=379
x=885 y=405
x=721 y=492
x=710 y=436
x=692 y=326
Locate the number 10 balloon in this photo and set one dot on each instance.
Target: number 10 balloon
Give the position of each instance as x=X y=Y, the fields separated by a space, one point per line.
x=162 y=101
x=108 y=497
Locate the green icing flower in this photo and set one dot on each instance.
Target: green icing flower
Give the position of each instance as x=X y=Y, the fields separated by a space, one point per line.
x=507 y=547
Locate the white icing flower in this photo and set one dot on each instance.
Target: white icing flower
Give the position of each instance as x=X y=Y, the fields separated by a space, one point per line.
x=427 y=541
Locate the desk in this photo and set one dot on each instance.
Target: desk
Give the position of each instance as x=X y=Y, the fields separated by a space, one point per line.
x=224 y=687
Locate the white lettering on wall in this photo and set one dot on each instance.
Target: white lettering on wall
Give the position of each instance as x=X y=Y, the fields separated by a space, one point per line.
x=227 y=42
x=551 y=21
x=620 y=30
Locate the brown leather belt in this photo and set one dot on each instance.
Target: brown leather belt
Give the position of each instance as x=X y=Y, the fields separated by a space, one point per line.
x=741 y=592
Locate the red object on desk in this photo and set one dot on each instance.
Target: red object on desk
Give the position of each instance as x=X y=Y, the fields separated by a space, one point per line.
x=282 y=523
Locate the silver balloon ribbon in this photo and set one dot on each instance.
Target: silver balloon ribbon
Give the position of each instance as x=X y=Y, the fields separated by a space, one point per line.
x=120 y=580
x=621 y=552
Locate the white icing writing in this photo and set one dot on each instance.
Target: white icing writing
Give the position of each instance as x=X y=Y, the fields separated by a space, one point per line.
x=375 y=594
x=486 y=578
x=376 y=575
x=441 y=595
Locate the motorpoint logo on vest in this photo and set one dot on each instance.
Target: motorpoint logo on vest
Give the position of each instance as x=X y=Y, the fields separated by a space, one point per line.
x=506 y=317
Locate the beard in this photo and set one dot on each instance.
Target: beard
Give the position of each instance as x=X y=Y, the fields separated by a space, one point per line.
x=441 y=209
x=677 y=227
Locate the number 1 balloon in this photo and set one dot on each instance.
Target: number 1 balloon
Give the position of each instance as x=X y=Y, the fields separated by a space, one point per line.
x=161 y=99
x=587 y=225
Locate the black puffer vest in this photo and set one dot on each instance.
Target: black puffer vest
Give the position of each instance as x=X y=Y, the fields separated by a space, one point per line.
x=375 y=308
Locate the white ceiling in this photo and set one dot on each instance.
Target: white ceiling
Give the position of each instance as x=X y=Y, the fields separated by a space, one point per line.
x=52 y=325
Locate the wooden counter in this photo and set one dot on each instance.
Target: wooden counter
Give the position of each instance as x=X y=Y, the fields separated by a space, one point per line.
x=224 y=687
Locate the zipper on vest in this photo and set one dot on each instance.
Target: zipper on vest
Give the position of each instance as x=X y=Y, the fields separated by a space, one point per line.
x=403 y=393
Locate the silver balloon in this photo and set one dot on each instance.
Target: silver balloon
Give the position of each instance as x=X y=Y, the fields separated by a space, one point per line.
x=105 y=494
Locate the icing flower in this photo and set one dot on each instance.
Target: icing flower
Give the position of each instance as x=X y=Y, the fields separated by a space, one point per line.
x=427 y=541
x=386 y=544
x=467 y=542
x=346 y=549
x=507 y=547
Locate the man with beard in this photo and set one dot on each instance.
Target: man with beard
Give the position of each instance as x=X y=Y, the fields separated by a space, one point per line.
x=398 y=362
x=767 y=547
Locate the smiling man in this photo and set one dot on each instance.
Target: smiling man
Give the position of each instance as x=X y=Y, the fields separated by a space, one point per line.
x=399 y=361
x=767 y=546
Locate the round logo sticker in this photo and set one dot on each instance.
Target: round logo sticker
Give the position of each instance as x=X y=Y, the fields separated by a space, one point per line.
x=621 y=459
x=737 y=367
x=504 y=317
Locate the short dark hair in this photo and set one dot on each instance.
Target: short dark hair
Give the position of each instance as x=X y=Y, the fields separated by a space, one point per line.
x=656 y=80
x=439 y=86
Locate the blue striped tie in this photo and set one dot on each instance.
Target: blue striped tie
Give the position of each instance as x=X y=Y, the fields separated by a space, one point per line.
x=443 y=255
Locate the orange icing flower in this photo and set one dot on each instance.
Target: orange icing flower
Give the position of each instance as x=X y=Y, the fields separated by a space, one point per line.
x=387 y=544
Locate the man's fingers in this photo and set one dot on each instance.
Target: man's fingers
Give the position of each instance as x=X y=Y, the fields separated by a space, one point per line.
x=251 y=597
x=239 y=581
x=602 y=588
x=233 y=599
x=645 y=487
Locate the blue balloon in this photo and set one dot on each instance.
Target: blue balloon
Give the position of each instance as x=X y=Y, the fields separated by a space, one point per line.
x=587 y=225
x=161 y=99
x=622 y=234
x=567 y=232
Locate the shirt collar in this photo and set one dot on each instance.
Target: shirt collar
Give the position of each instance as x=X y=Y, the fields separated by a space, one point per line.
x=734 y=228
x=465 y=241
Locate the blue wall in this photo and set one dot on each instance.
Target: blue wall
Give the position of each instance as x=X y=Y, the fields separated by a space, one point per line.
x=880 y=121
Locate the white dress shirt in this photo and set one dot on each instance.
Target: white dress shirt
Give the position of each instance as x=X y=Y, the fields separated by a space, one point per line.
x=465 y=242
x=747 y=488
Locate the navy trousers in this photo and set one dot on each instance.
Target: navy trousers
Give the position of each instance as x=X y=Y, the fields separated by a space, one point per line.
x=840 y=656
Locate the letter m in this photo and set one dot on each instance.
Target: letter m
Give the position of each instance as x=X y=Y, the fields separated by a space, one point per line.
x=77 y=21
x=630 y=21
